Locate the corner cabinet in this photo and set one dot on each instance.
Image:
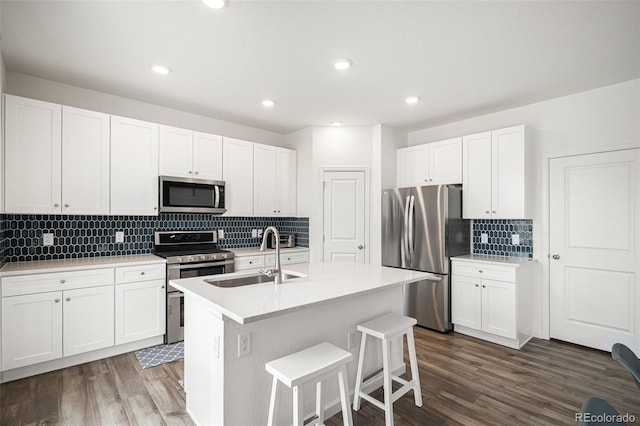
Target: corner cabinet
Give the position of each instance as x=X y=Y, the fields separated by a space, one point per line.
x=491 y=300
x=185 y=153
x=274 y=181
x=497 y=174
x=434 y=163
x=237 y=172
x=134 y=167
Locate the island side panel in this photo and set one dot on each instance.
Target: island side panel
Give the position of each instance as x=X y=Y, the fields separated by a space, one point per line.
x=247 y=386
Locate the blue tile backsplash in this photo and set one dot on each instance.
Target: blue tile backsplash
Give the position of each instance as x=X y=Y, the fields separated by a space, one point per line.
x=90 y=236
x=499 y=237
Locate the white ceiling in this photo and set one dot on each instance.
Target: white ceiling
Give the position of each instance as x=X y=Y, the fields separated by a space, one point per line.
x=462 y=58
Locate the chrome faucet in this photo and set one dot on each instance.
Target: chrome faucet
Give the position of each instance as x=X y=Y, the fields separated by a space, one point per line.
x=277 y=271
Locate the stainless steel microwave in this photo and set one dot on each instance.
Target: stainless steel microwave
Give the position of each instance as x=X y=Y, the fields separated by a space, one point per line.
x=188 y=195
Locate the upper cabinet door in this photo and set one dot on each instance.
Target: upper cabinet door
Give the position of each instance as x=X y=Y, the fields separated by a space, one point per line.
x=476 y=176
x=287 y=182
x=265 y=180
x=32 y=156
x=134 y=167
x=207 y=156
x=412 y=166
x=85 y=161
x=237 y=172
x=510 y=174
x=445 y=162
x=176 y=152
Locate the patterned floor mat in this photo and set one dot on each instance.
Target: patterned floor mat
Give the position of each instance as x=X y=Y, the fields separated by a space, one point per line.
x=160 y=354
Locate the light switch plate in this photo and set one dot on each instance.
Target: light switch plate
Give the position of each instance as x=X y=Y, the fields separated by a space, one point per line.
x=254 y=233
x=515 y=239
x=47 y=239
x=119 y=236
x=484 y=238
x=221 y=234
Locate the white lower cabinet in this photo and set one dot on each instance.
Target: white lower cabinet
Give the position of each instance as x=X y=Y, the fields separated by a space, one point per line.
x=246 y=262
x=31 y=329
x=87 y=319
x=492 y=300
x=140 y=302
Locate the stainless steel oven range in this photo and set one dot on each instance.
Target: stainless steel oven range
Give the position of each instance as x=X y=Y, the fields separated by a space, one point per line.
x=188 y=254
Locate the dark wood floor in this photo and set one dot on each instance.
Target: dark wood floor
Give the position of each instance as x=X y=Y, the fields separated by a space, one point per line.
x=464 y=381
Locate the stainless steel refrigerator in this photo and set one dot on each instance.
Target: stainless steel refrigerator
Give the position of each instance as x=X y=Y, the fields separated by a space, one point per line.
x=422 y=227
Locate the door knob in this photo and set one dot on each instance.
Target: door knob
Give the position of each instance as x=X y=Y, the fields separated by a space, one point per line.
x=556 y=256
x=360 y=246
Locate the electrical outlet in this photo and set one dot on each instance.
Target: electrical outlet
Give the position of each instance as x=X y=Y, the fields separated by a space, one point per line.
x=215 y=347
x=352 y=336
x=254 y=233
x=47 y=239
x=119 y=236
x=221 y=234
x=515 y=239
x=259 y=233
x=484 y=238
x=244 y=344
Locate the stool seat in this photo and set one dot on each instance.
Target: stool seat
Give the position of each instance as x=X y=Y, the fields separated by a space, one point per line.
x=308 y=364
x=314 y=364
x=387 y=326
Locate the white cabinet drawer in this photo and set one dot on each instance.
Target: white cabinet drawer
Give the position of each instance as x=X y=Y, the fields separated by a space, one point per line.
x=287 y=258
x=488 y=270
x=56 y=281
x=138 y=273
x=249 y=262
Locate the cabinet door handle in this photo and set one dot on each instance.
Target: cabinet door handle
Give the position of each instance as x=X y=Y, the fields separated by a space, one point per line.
x=189 y=171
x=57 y=300
x=62 y=281
x=196 y=172
x=56 y=205
x=68 y=299
x=142 y=273
x=480 y=270
x=162 y=287
x=556 y=256
x=66 y=205
x=476 y=285
x=494 y=211
x=155 y=208
x=486 y=211
x=430 y=179
x=484 y=286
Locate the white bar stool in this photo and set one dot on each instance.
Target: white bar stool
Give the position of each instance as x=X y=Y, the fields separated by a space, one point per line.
x=386 y=328
x=316 y=363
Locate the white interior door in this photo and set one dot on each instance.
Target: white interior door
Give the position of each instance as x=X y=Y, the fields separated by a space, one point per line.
x=344 y=217
x=593 y=223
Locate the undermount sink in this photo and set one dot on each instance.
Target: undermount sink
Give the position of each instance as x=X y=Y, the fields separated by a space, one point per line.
x=252 y=279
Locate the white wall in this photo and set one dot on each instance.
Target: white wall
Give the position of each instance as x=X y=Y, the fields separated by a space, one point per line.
x=598 y=120
x=37 y=88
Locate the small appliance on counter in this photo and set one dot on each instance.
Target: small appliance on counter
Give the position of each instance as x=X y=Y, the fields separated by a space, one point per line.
x=188 y=254
x=286 y=240
x=422 y=228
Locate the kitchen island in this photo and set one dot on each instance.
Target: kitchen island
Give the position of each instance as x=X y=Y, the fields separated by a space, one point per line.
x=230 y=333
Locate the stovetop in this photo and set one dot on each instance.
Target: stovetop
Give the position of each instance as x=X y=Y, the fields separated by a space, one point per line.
x=189 y=247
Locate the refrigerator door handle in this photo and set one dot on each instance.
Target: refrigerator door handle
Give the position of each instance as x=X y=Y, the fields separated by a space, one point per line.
x=405 y=233
x=411 y=228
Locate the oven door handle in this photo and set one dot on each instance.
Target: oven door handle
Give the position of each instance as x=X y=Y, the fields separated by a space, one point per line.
x=200 y=265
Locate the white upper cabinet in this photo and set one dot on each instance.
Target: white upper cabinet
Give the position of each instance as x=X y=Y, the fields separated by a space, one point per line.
x=497 y=175
x=33 y=141
x=184 y=153
x=434 y=163
x=274 y=181
x=207 y=156
x=85 y=161
x=237 y=172
x=134 y=167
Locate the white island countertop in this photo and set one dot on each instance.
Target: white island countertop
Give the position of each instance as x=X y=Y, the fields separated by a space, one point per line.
x=324 y=283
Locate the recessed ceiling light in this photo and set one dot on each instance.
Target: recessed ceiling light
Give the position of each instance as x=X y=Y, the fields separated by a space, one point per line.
x=268 y=103
x=336 y=123
x=343 y=64
x=216 y=4
x=161 y=69
x=412 y=100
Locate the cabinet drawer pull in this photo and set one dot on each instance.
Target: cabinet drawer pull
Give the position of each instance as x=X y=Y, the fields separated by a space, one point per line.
x=162 y=287
x=480 y=270
x=68 y=299
x=62 y=281
x=250 y=262
x=476 y=285
x=484 y=286
x=142 y=273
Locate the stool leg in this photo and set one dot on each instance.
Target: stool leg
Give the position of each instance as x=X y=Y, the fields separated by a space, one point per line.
x=415 y=375
x=386 y=367
x=273 y=404
x=319 y=403
x=298 y=415
x=347 y=418
x=356 y=393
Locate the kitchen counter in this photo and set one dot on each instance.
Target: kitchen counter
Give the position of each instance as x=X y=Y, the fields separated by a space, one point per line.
x=323 y=283
x=252 y=251
x=223 y=377
x=497 y=259
x=62 y=265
